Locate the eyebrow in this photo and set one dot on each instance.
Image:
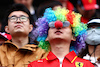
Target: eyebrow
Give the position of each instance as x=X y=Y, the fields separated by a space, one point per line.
x=19 y=16
x=14 y=16
x=23 y=15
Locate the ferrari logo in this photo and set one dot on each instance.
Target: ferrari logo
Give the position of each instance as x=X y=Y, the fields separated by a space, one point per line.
x=90 y=1
x=79 y=64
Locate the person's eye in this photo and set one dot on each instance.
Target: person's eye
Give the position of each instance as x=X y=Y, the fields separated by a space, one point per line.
x=23 y=17
x=13 y=18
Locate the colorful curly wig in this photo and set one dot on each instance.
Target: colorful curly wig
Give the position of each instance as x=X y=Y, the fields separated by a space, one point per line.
x=61 y=14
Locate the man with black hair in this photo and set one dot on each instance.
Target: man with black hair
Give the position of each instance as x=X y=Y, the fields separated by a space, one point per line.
x=19 y=52
x=59 y=35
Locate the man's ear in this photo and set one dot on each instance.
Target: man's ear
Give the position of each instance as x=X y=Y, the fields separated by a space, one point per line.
x=46 y=39
x=7 y=29
x=30 y=28
x=73 y=38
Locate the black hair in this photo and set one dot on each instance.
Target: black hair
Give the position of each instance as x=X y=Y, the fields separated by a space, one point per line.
x=18 y=7
x=74 y=2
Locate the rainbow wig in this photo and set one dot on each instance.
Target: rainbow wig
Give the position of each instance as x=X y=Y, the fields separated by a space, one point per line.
x=61 y=14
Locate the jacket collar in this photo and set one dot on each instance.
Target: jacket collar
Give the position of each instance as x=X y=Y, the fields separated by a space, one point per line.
x=30 y=47
x=71 y=56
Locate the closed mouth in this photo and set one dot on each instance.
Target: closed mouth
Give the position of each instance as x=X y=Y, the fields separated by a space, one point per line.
x=18 y=26
x=58 y=32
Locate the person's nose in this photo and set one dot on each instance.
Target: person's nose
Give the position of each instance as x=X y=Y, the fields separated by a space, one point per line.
x=58 y=24
x=59 y=28
x=18 y=21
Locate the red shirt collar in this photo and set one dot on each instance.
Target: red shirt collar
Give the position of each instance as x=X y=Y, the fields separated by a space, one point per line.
x=71 y=56
x=51 y=56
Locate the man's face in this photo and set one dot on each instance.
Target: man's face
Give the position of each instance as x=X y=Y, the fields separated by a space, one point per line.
x=27 y=3
x=19 y=25
x=93 y=34
x=64 y=33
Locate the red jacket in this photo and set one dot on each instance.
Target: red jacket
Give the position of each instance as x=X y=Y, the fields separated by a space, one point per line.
x=70 y=60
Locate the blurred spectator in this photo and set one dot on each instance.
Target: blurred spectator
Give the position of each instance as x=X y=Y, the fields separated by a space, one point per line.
x=92 y=51
x=67 y=4
x=64 y=4
x=29 y=5
x=47 y=4
x=4 y=37
x=87 y=8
